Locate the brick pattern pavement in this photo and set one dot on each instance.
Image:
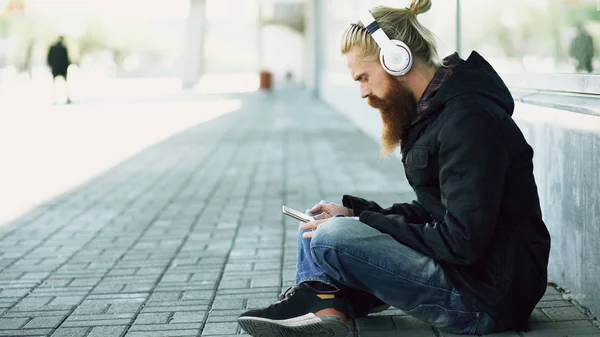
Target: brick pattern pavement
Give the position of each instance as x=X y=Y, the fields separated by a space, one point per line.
x=184 y=236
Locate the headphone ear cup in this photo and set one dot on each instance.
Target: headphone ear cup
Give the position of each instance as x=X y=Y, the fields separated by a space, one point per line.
x=396 y=60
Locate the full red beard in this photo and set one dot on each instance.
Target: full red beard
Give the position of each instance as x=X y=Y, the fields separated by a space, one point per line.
x=398 y=109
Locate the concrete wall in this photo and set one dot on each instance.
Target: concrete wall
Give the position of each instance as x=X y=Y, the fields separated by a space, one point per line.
x=567 y=167
x=567 y=162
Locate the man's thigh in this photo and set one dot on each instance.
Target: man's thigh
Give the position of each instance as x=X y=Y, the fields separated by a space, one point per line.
x=367 y=249
x=362 y=258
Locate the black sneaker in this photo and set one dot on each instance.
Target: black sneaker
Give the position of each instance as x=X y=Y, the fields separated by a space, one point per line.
x=301 y=311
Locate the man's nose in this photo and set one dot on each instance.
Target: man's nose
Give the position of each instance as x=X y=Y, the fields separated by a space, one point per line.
x=364 y=92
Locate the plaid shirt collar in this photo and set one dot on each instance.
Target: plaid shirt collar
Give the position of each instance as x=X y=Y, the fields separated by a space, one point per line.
x=441 y=75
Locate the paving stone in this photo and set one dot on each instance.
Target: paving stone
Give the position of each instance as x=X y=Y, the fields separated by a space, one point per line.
x=264 y=282
x=75 y=291
x=188 y=317
x=104 y=331
x=175 y=308
x=107 y=316
x=376 y=323
x=66 y=300
x=92 y=321
x=140 y=297
x=564 y=314
x=82 y=281
x=408 y=322
x=90 y=307
x=197 y=295
x=8 y=302
x=177 y=333
x=13 y=313
x=71 y=332
x=152 y=304
x=565 y=328
x=538 y=315
x=185 y=286
x=501 y=334
x=36 y=301
x=553 y=304
x=11 y=284
x=254 y=291
x=235 y=283
x=44 y=322
x=153 y=318
x=551 y=297
x=267 y=266
x=28 y=332
x=227 y=303
x=395 y=333
x=16 y=292
x=166 y=296
x=166 y=327
x=219 y=329
x=12 y=323
x=239 y=267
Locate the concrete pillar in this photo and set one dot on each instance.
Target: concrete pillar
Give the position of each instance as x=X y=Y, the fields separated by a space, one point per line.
x=314 y=36
x=259 y=37
x=458 y=28
x=193 y=53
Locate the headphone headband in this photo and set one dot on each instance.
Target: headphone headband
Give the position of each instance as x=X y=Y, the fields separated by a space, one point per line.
x=395 y=56
x=373 y=28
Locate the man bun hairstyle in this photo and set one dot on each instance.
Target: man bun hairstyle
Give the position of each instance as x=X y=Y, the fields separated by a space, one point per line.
x=419 y=6
x=398 y=24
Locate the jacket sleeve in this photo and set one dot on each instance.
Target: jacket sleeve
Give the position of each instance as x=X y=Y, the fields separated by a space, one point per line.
x=473 y=165
x=413 y=212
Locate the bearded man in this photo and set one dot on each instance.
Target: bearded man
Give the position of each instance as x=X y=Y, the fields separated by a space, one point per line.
x=470 y=254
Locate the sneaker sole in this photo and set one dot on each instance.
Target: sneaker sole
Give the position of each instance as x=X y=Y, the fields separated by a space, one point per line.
x=304 y=326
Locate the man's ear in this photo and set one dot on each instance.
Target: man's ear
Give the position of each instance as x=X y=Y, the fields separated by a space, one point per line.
x=403 y=80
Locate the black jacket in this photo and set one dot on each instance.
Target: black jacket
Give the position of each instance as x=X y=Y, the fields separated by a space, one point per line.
x=477 y=210
x=58 y=58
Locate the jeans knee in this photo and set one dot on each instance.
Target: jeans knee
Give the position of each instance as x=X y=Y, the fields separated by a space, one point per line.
x=330 y=239
x=332 y=233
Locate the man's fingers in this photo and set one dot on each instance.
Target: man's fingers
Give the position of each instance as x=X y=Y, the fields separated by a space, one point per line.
x=309 y=225
x=316 y=208
x=308 y=235
x=322 y=216
x=313 y=225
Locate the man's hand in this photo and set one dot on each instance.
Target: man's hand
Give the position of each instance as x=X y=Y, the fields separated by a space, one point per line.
x=313 y=226
x=330 y=210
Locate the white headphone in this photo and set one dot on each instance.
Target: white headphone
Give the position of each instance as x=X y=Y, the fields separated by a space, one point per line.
x=395 y=56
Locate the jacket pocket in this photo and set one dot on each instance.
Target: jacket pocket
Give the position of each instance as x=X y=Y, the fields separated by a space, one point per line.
x=418 y=157
x=421 y=167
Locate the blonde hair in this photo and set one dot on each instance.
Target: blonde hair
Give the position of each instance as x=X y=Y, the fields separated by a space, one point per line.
x=398 y=24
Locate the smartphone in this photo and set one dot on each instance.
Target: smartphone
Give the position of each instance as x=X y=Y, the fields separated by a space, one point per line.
x=297 y=214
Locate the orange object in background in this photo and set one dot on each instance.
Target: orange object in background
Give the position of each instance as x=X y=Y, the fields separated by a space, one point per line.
x=9 y=7
x=266 y=80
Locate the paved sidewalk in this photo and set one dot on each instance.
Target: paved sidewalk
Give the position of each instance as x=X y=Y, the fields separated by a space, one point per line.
x=184 y=236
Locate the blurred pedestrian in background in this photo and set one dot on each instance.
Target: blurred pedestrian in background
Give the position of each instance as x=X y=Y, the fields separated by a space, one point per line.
x=58 y=61
x=583 y=50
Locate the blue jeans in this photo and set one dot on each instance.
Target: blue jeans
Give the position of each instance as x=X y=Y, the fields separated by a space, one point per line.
x=370 y=265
